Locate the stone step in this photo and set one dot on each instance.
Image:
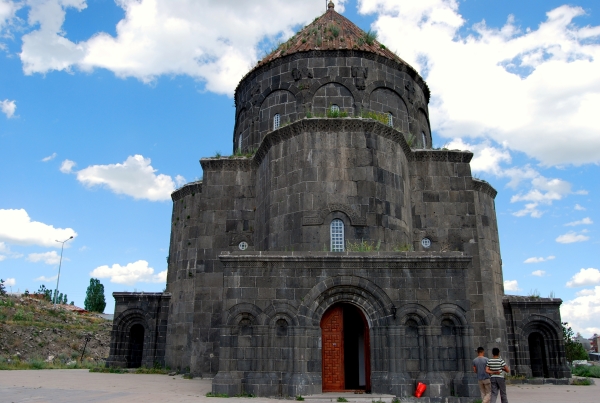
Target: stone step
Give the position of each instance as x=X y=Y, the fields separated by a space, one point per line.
x=351 y=397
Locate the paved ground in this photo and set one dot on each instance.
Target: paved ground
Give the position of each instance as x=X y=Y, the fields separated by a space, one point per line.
x=77 y=386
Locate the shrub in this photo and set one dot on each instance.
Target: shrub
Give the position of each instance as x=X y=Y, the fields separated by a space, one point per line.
x=588 y=372
x=342 y=399
x=21 y=315
x=582 y=382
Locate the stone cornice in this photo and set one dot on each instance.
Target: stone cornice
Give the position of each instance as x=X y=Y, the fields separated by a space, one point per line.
x=520 y=300
x=187 y=189
x=226 y=164
x=484 y=187
x=346 y=260
x=442 y=155
x=137 y=295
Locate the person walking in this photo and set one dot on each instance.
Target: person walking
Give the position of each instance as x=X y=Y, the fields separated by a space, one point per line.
x=479 y=367
x=496 y=367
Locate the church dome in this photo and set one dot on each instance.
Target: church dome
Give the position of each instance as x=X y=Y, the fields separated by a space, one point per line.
x=334 y=32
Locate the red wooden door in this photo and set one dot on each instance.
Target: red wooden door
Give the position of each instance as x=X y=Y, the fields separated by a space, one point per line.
x=332 y=331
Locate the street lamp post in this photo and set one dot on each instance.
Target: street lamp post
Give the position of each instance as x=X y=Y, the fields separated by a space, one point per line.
x=55 y=296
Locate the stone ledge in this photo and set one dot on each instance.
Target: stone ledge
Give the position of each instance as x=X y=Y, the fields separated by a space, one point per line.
x=484 y=187
x=187 y=189
x=365 y=260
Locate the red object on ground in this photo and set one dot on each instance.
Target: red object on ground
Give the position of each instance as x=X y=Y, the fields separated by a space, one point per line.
x=421 y=387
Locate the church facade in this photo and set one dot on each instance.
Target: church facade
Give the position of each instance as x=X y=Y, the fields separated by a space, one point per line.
x=336 y=249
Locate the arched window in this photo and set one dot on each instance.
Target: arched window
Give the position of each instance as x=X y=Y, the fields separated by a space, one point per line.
x=424 y=139
x=276 y=121
x=335 y=110
x=337 y=235
x=240 y=143
x=390 y=119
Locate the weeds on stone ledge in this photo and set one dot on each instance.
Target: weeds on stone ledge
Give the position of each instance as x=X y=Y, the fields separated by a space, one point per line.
x=362 y=246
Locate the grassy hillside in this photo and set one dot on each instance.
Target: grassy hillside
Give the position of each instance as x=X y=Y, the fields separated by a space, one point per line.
x=35 y=334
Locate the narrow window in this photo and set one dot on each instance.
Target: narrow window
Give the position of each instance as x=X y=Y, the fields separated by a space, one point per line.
x=276 y=121
x=337 y=235
x=424 y=138
x=335 y=109
x=390 y=119
x=240 y=143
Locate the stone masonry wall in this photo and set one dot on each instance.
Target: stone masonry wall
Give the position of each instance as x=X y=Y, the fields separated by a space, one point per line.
x=205 y=223
x=270 y=342
x=355 y=81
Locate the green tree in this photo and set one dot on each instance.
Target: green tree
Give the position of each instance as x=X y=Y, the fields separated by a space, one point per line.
x=573 y=349
x=94 y=296
x=2 y=289
x=45 y=292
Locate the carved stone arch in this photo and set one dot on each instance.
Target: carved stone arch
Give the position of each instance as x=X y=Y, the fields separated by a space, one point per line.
x=535 y=323
x=353 y=215
x=123 y=324
x=450 y=311
x=281 y=309
x=243 y=308
x=359 y=291
x=271 y=91
x=416 y=312
x=334 y=92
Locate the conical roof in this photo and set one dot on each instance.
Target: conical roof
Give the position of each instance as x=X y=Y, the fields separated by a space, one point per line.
x=331 y=31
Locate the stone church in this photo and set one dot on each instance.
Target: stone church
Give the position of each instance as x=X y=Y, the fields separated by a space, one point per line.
x=335 y=249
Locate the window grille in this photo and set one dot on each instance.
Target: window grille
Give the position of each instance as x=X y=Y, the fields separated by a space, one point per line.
x=276 y=121
x=337 y=235
x=390 y=119
x=424 y=138
x=335 y=109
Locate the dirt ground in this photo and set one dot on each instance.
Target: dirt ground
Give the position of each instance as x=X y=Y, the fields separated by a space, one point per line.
x=32 y=329
x=76 y=386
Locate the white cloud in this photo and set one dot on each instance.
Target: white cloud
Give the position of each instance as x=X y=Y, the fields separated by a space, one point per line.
x=538 y=273
x=507 y=83
x=66 y=166
x=585 y=277
x=585 y=221
x=46 y=257
x=17 y=228
x=130 y=274
x=2 y=257
x=8 y=8
x=538 y=259
x=10 y=282
x=486 y=158
x=580 y=208
x=135 y=177
x=45 y=279
x=530 y=209
x=571 y=237
x=217 y=41
x=8 y=108
x=50 y=158
x=583 y=312
x=511 y=285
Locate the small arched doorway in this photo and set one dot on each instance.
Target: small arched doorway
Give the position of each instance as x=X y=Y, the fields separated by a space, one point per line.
x=136 y=346
x=537 y=355
x=346 y=363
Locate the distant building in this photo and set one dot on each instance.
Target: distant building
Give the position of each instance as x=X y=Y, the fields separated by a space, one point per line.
x=336 y=249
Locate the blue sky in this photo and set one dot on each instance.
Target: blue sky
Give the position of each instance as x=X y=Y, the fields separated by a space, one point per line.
x=108 y=106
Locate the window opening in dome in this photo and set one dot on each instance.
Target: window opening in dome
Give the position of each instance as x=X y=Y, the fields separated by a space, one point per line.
x=335 y=109
x=424 y=138
x=337 y=235
x=240 y=143
x=390 y=119
x=276 y=121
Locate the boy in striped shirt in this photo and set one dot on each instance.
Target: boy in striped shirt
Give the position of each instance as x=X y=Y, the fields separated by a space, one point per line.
x=496 y=368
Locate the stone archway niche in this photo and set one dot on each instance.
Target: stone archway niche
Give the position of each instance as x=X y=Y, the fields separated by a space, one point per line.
x=345 y=349
x=136 y=346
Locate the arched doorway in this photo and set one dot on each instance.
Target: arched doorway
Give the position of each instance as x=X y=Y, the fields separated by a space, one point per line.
x=346 y=361
x=136 y=346
x=537 y=355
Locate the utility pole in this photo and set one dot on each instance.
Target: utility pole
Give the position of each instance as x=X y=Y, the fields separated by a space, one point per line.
x=55 y=296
